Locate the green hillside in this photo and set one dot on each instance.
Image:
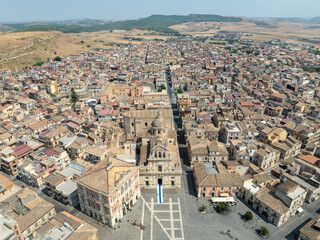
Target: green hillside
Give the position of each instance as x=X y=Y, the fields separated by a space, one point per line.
x=159 y=23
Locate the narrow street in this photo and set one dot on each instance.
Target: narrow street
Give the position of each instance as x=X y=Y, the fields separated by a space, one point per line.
x=187 y=173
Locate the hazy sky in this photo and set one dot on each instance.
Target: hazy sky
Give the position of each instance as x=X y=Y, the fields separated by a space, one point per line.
x=34 y=10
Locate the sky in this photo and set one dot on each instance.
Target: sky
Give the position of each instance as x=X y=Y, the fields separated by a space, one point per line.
x=48 y=10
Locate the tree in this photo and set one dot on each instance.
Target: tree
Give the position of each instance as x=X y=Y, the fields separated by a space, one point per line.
x=264 y=231
x=163 y=87
x=222 y=207
x=39 y=64
x=57 y=58
x=74 y=96
x=179 y=91
x=248 y=216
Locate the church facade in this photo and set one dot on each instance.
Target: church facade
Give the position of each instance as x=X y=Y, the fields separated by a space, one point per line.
x=159 y=159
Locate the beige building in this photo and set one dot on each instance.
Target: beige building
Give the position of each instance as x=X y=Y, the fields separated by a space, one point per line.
x=266 y=157
x=212 y=183
x=138 y=122
x=277 y=202
x=311 y=231
x=29 y=211
x=108 y=190
x=159 y=155
x=203 y=150
x=66 y=225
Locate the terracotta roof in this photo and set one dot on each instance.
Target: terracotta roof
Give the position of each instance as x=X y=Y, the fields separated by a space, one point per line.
x=310 y=159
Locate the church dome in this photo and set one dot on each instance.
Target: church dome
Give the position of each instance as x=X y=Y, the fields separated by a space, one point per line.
x=158 y=122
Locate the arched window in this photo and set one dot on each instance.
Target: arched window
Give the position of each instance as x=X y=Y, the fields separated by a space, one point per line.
x=159 y=168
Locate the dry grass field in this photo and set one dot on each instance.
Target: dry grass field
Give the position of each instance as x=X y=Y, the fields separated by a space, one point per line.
x=18 y=50
x=283 y=30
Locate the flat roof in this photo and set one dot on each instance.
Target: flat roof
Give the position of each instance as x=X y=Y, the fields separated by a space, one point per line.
x=210 y=169
x=67 y=187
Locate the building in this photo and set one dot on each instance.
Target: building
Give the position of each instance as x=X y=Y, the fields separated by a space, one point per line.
x=266 y=157
x=276 y=201
x=29 y=211
x=288 y=148
x=230 y=131
x=68 y=227
x=94 y=154
x=271 y=136
x=203 y=150
x=33 y=173
x=5 y=185
x=311 y=231
x=51 y=137
x=139 y=121
x=159 y=156
x=108 y=190
x=9 y=229
x=9 y=163
x=212 y=183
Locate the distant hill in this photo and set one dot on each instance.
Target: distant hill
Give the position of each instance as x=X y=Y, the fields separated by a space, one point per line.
x=158 y=23
x=294 y=20
x=314 y=20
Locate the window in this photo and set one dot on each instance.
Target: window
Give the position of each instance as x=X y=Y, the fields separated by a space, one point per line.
x=172 y=183
x=50 y=214
x=159 y=168
x=204 y=189
x=29 y=231
x=212 y=194
x=147 y=183
x=36 y=225
x=146 y=124
x=43 y=220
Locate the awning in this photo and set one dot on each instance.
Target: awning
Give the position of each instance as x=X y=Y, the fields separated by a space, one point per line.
x=224 y=194
x=222 y=199
x=300 y=210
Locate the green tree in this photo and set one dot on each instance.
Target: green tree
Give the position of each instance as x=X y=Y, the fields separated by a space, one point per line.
x=39 y=64
x=248 y=216
x=222 y=207
x=74 y=96
x=179 y=91
x=163 y=87
x=57 y=58
x=264 y=231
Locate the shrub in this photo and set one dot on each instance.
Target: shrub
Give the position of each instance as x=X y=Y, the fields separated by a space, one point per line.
x=203 y=208
x=264 y=231
x=248 y=216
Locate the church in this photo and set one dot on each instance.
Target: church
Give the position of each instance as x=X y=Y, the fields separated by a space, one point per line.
x=159 y=158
